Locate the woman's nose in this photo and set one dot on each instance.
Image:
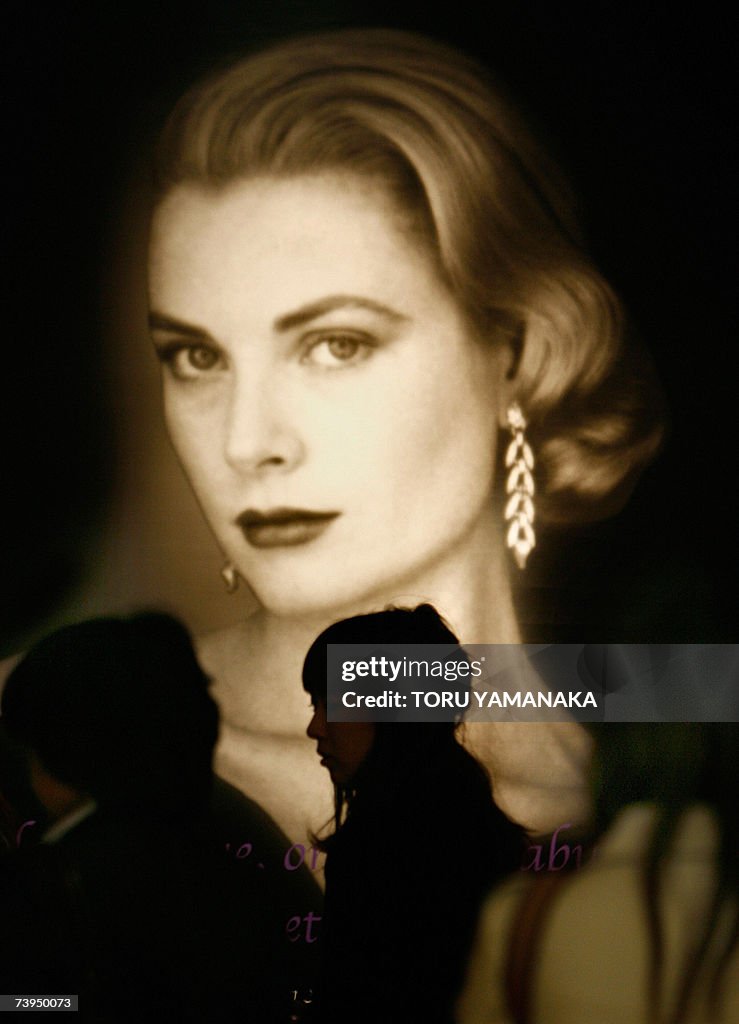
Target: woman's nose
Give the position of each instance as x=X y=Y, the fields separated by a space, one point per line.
x=259 y=433
x=317 y=726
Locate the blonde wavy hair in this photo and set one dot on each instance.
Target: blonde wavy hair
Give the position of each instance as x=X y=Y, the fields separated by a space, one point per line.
x=484 y=196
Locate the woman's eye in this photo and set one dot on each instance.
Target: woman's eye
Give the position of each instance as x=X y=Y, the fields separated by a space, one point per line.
x=188 y=362
x=201 y=358
x=335 y=351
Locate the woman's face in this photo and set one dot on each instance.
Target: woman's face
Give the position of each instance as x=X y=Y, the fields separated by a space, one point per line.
x=342 y=746
x=334 y=413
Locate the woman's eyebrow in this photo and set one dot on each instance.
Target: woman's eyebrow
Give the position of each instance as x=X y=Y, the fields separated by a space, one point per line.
x=327 y=305
x=159 y=322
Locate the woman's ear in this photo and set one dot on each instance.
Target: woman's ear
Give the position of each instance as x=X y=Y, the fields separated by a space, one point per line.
x=510 y=340
x=515 y=343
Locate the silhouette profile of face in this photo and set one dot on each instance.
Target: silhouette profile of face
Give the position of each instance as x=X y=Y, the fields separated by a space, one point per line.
x=342 y=746
x=332 y=408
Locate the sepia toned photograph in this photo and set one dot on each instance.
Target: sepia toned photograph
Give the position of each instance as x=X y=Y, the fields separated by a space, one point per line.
x=344 y=324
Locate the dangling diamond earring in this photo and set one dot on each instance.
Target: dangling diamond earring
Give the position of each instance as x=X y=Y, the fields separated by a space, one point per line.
x=230 y=576
x=519 y=459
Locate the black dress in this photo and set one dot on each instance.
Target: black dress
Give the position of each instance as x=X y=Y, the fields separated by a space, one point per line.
x=405 y=876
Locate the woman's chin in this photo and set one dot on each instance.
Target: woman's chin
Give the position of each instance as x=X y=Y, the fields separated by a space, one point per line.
x=296 y=602
x=318 y=595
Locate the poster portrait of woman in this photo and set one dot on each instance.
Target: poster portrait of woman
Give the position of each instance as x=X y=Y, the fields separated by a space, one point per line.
x=365 y=280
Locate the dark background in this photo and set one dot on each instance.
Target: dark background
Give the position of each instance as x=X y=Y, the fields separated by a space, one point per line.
x=638 y=103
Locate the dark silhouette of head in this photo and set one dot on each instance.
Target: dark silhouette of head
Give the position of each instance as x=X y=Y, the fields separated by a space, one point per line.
x=421 y=625
x=117 y=709
x=401 y=752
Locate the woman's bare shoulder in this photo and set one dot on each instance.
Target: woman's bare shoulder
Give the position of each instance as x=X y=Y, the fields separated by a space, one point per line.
x=540 y=771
